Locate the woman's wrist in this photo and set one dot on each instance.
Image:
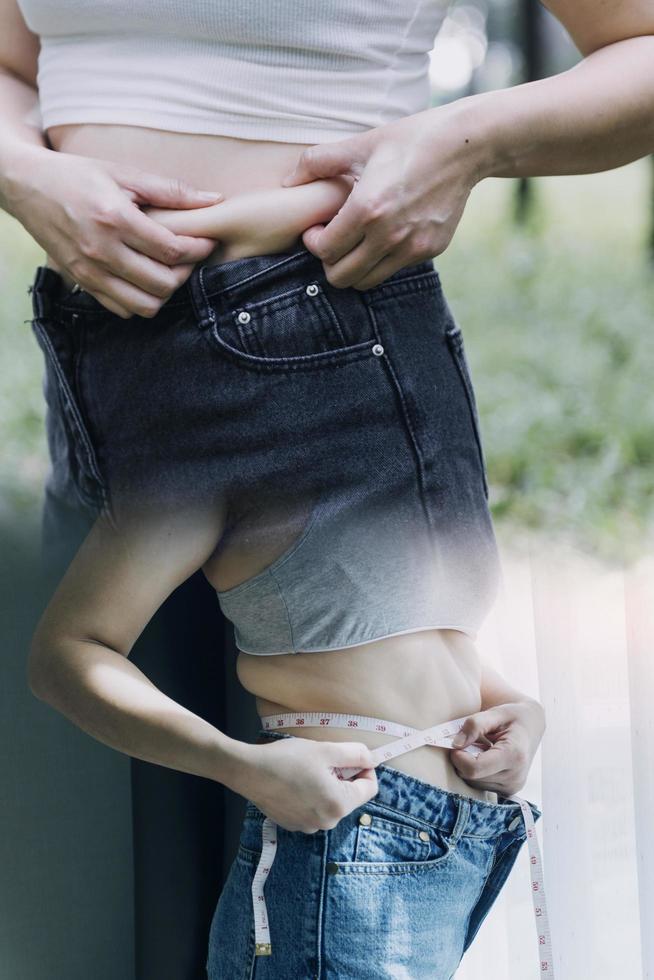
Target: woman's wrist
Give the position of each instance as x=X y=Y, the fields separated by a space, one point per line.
x=237 y=765
x=18 y=162
x=476 y=119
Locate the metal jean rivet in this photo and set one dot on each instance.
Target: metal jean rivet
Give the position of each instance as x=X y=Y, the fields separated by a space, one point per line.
x=312 y=290
x=244 y=317
x=365 y=819
x=332 y=867
x=423 y=835
x=378 y=350
x=515 y=823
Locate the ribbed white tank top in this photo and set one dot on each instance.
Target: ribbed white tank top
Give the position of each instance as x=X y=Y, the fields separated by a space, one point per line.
x=306 y=71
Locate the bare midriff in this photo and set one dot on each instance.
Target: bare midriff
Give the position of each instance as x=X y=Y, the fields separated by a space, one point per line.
x=418 y=679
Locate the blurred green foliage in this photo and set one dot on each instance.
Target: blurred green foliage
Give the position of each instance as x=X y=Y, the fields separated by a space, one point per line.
x=557 y=319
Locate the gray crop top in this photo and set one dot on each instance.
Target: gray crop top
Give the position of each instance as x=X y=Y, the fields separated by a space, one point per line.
x=353 y=576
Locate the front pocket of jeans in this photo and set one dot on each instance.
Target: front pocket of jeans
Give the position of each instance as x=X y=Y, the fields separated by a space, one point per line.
x=394 y=843
x=296 y=326
x=61 y=360
x=454 y=338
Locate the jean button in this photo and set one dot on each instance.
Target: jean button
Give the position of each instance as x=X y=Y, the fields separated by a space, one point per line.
x=332 y=867
x=244 y=317
x=378 y=350
x=312 y=290
x=365 y=819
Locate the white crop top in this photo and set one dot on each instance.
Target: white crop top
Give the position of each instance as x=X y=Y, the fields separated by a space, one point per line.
x=304 y=71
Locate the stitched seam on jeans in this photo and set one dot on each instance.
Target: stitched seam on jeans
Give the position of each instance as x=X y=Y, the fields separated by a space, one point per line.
x=288 y=260
x=70 y=401
x=455 y=338
x=411 y=284
x=320 y=924
x=420 y=466
x=473 y=906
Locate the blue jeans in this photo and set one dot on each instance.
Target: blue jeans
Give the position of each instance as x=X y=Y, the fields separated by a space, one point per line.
x=398 y=889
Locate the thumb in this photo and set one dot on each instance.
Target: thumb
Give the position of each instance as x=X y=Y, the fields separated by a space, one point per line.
x=476 y=725
x=328 y=160
x=165 y=192
x=361 y=789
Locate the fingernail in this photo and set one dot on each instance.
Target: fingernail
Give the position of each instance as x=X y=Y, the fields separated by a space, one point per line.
x=459 y=740
x=210 y=195
x=287 y=179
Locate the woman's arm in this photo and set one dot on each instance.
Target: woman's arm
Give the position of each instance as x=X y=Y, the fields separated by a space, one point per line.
x=415 y=174
x=270 y=219
x=84 y=212
x=79 y=659
x=595 y=116
x=79 y=663
x=19 y=51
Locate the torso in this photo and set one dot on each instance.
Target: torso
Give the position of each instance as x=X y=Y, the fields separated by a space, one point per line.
x=215 y=163
x=419 y=679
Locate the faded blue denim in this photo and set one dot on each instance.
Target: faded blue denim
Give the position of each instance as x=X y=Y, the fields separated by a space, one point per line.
x=370 y=901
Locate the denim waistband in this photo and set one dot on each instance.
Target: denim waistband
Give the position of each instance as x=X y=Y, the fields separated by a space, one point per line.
x=208 y=282
x=440 y=807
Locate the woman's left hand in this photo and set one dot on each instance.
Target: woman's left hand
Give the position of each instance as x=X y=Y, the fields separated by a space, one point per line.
x=514 y=731
x=412 y=179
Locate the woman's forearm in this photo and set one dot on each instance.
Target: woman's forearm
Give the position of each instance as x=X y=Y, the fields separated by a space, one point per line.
x=106 y=695
x=595 y=116
x=21 y=133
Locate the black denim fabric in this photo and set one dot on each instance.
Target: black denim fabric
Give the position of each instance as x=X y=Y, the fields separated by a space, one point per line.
x=260 y=384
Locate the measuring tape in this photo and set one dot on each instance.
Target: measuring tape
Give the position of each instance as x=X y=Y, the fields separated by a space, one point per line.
x=407 y=739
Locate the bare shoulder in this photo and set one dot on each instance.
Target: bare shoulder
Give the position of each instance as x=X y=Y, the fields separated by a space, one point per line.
x=120 y=576
x=592 y=24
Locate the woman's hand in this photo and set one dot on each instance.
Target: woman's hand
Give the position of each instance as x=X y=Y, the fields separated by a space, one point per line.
x=514 y=731
x=85 y=213
x=292 y=782
x=413 y=178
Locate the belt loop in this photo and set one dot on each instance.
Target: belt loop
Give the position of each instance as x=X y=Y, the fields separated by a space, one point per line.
x=461 y=818
x=41 y=300
x=201 y=307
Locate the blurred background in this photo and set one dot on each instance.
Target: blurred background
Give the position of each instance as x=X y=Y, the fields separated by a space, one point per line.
x=551 y=280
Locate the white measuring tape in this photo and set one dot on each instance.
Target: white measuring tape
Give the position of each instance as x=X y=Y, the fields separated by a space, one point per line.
x=408 y=739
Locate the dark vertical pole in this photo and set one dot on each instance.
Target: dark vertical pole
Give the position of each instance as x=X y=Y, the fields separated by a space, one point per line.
x=533 y=48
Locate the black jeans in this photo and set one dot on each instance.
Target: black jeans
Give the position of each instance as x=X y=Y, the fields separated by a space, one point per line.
x=297 y=407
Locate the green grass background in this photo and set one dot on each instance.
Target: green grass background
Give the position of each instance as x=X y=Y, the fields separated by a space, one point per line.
x=557 y=320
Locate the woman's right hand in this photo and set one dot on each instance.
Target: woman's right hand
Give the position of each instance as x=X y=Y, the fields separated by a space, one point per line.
x=292 y=781
x=85 y=213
